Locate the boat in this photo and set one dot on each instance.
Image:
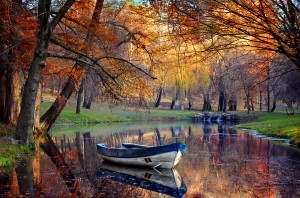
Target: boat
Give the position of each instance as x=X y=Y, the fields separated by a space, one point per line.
x=165 y=181
x=164 y=156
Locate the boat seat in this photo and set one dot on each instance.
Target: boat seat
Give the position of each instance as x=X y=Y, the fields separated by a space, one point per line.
x=130 y=145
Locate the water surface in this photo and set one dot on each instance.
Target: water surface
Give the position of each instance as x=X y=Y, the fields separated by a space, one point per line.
x=219 y=162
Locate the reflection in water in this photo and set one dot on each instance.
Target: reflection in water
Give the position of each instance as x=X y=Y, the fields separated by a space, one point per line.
x=25 y=177
x=165 y=181
x=219 y=162
x=48 y=146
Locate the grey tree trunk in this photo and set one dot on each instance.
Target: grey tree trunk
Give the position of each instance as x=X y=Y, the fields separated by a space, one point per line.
x=79 y=96
x=37 y=114
x=26 y=118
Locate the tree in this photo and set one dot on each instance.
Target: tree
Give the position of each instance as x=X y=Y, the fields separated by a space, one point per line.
x=117 y=75
x=53 y=112
x=45 y=30
x=16 y=44
x=269 y=25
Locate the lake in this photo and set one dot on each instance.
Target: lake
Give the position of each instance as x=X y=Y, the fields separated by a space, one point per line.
x=219 y=162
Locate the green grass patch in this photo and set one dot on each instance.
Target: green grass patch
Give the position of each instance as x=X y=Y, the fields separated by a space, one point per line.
x=107 y=114
x=9 y=154
x=277 y=125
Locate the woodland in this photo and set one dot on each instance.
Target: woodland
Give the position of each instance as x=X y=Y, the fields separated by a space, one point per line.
x=232 y=53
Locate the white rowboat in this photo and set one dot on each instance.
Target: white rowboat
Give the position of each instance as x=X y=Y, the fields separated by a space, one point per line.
x=165 y=156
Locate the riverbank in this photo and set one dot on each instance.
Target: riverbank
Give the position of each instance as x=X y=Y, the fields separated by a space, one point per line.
x=276 y=124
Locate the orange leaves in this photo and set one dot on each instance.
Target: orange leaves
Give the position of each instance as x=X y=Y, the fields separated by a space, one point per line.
x=17 y=32
x=60 y=67
x=105 y=33
x=80 y=13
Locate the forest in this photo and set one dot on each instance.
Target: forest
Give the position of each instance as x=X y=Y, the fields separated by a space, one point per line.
x=217 y=55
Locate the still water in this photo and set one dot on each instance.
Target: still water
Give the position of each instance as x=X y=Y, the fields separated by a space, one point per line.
x=220 y=162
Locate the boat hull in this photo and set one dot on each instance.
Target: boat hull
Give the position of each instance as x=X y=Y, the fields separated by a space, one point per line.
x=163 y=160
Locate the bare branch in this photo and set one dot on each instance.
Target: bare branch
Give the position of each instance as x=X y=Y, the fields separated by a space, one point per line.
x=60 y=14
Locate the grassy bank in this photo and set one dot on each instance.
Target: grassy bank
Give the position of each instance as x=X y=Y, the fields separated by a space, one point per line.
x=109 y=114
x=276 y=125
x=9 y=153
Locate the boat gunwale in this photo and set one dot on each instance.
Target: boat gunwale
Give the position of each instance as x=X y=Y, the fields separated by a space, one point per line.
x=139 y=152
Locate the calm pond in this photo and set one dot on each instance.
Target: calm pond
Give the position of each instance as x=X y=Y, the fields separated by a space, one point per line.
x=220 y=162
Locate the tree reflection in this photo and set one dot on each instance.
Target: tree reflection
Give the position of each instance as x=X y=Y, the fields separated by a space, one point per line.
x=48 y=146
x=25 y=177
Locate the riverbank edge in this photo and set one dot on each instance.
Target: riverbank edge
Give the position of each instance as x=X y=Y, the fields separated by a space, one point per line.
x=277 y=125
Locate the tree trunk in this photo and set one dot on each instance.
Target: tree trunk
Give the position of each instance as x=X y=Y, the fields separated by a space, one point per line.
x=221 y=101
x=26 y=118
x=268 y=89
x=53 y=112
x=232 y=103
x=16 y=104
x=85 y=98
x=206 y=104
x=2 y=93
x=190 y=104
x=274 y=106
x=248 y=102
x=91 y=98
x=251 y=103
x=172 y=104
x=160 y=91
x=260 y=100
x=9 y=90
x=37 y=114
x=89 y=103
x=9 y=82
x=224 y=104
x=79 y=96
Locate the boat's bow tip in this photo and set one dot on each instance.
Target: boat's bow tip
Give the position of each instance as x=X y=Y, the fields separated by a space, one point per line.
x=182 y=147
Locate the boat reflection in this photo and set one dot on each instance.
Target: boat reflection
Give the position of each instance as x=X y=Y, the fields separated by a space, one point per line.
x=165 y=181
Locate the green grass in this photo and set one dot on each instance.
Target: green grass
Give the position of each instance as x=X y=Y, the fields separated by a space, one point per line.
x=9 y=154
x=106 y=114
x=277 y=125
